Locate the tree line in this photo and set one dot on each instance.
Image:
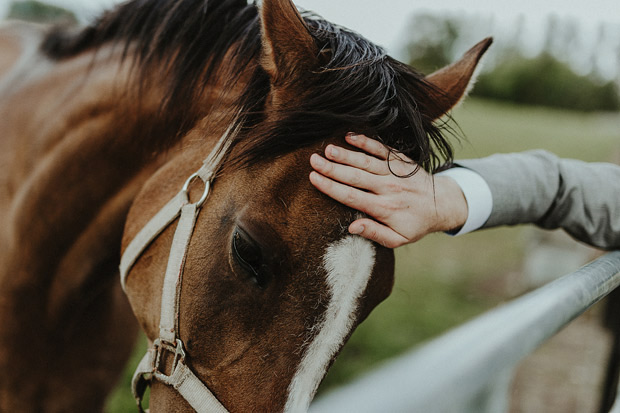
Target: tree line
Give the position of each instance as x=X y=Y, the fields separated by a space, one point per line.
x=547 y=79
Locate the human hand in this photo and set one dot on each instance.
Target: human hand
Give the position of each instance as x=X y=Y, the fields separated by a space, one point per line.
x=404 y=209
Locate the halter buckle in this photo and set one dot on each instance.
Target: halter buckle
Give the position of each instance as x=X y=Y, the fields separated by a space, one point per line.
x=160 y=346
x=205 y=194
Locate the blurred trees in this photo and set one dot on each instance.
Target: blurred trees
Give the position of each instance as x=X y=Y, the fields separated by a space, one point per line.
x=432 y=41
x=547 y=79
x=40 y=12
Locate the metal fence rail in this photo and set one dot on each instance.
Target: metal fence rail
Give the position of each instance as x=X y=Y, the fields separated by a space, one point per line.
x=455 y=372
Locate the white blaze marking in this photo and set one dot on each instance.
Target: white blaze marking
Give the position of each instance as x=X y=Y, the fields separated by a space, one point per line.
x=349 y=263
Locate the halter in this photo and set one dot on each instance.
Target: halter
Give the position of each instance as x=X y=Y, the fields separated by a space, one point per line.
x=181 y=378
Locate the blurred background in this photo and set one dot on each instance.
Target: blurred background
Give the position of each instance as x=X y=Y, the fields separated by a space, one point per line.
x=551 y=80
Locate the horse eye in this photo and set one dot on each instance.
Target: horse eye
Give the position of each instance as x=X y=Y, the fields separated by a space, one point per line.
x=248 y=254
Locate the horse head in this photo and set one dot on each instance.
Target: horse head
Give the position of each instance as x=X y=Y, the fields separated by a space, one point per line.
x=271 y=285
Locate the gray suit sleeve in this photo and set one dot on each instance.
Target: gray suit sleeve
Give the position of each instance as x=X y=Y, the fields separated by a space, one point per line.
x=540 y=188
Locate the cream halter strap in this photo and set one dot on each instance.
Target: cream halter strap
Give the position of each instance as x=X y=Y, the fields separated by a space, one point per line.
x=152 y=364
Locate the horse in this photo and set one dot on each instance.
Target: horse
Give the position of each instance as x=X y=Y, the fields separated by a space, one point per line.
x=174 y=136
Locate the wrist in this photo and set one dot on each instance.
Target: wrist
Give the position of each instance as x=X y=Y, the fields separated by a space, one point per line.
x=450 y=205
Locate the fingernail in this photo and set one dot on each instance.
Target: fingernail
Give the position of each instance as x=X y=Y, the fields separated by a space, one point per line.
x=333 y=151
x=357 y=231
x=318 y=160
x=353 y=137
x=316 y=176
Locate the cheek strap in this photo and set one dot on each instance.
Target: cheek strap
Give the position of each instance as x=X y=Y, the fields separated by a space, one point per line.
x=154 y=364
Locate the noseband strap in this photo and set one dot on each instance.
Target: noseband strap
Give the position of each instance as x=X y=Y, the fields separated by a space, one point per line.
x=168 y=350
x=182 y=379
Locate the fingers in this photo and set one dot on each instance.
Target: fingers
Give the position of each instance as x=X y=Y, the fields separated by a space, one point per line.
x=345 y=194
x=355 y=177
x=372 y=146
x=359 y=200
x=398 y=164
x=377 y=232
x=358 y=160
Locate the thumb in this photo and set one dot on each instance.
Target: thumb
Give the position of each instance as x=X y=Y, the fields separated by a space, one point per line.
x=377 y=232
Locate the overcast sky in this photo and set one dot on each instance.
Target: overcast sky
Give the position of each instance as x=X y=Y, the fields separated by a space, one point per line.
x=385 y=21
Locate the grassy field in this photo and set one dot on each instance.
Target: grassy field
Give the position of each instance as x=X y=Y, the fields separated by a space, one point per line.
x=443 y=281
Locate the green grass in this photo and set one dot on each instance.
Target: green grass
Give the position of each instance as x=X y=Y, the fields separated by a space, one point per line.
x=492 y=127
x=121 y=400
x=443 y=281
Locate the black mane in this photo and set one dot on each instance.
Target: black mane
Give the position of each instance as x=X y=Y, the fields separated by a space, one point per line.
x=359 y=88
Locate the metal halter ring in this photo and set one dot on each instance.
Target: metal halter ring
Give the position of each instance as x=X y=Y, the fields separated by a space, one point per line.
x=205 y=194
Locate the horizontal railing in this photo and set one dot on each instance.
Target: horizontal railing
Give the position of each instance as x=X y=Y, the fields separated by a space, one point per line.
x=454 y=372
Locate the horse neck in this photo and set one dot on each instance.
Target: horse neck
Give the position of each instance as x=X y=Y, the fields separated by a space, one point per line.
x=80 y=149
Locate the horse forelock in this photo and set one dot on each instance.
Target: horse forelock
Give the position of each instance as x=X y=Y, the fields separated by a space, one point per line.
x=356 y=88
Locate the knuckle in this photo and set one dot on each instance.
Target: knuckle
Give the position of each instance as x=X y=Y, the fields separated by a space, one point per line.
x=380 y=213
x=356 y=178
x=328 y=168
x=373 y=234
x=386 y=205
x=350 y=197
x=392 y=208
x=366 y=162
x=394 y=186
x=380 y=207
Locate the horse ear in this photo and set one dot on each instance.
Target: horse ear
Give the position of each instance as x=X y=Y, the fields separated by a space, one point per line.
x=453 y=82
x=288 y=46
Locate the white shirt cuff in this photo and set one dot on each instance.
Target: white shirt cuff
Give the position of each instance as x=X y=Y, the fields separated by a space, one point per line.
x=477 y=194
